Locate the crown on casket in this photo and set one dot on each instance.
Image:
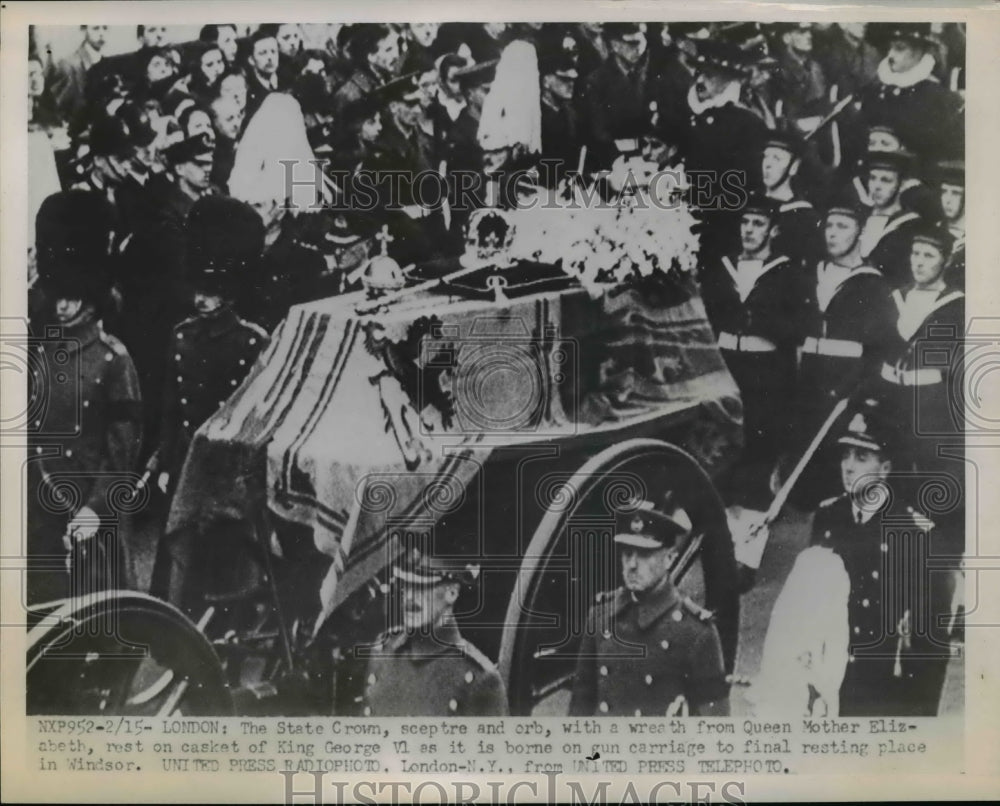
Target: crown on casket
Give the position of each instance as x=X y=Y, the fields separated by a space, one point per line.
x=490 y=234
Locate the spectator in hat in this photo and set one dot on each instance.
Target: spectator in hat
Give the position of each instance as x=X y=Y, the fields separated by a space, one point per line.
x=675 y=665
x=262 y=67
x=424 y=667
x=90 y=426
x=618 y=92
x=908 y=97
x=847 y=319
x=753 y=298
x=562 y=131
x=801 y=85
x=888 y=230
x=212 y=351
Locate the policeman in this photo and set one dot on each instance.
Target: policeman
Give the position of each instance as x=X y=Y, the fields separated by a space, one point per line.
x=848 y=318
x=425 y=667
x=888 y=230
x=894 y=667
x=562 y=130
x=212 y=351
x=646 y=651
x=85 y=441
x=753 y=300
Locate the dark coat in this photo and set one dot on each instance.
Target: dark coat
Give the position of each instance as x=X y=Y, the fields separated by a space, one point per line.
x=885 y=560
x=425 y=675
x=208 y=359
x=929 y=117
x=891 y=254
x=86 y=439
x=638 y=658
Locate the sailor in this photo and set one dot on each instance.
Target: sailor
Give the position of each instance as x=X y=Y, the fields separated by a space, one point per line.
x=951 y=179
x=753 y=298
x=211 y=352
x=895 y=664
x=646 y=650
x=425 y=667
x=848 y=319
x=798 y=233
x=931 y=324
x=888 y=230
x=86 y=439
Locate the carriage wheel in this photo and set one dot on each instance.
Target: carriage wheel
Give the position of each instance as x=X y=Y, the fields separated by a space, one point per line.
x=118 y=653
x=571 y=559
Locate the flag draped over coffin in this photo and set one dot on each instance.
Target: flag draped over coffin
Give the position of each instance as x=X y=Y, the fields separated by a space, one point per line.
x=349 y=423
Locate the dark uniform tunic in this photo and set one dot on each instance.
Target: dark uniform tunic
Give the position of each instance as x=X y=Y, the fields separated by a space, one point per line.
x=86 y=439
x=846 y=338
x=638 y=657
x=432 y=675
x=885 y=559
x=890 y=254
x=758 y=329
x=799 y=235
x=209 y=358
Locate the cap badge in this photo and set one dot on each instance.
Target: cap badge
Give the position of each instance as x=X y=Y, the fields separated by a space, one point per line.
x=858 y=425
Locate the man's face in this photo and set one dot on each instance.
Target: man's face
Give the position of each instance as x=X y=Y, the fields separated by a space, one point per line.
x=154 y=35
x=406 y=112
x=755 y=229
x=904 y=55
x=561 y=86
x=880 y=140
x=428 y=84
x=212 y=65
x=95 y=35
x=199 y=123
x=265 y=56
x=709 y=83
x=207 y=303
x=775 y=166
x=644 y=569
x=36 y=78
x=860 y=468
x=227 y=42
x=926 y=263
x=883 y=187
x=952 y=201
x=629 y=48
x=227 y=118
x=289 y=39
x=800 y=40
x=841 y=234
x=371 y=128
x=234 y=87
x=111 y=168
x=386 y=53
x=196 y=172
x=67 y=310
x=425 y=606
x=425 y=32
x=655 y=151
x=159 y=68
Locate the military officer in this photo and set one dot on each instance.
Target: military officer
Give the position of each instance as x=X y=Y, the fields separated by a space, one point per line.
x=848 y=318
x=888 y=230
x=646 y=651
x=894 y=665
x=85 y=443
x=425 y=667
x=752 y=299
x=212 y=351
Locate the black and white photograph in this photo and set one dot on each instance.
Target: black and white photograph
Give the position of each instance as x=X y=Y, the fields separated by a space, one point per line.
x=446 y=369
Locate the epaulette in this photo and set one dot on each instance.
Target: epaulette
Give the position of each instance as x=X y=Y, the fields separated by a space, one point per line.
x=306 y=245
x=696 y=609
x=920 y=520
x=831 y=501
x=113 y=343
x=185 y=323
x=256 y=329
x=476 y=656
